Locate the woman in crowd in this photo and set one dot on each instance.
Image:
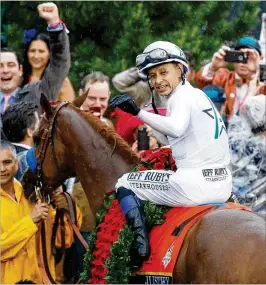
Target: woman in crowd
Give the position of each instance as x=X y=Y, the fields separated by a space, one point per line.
x=36 y=59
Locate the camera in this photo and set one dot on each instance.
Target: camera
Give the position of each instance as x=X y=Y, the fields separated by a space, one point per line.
x=236 y=56
x=143 y=139
x=262 y=72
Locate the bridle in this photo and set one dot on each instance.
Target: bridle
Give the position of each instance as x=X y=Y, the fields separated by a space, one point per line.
x=47 y=137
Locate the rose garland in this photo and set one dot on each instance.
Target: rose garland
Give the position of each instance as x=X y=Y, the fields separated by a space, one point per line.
x=89 y=257
x=108 y=257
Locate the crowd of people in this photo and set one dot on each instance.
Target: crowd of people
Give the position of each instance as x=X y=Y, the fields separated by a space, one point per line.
x=238 y=95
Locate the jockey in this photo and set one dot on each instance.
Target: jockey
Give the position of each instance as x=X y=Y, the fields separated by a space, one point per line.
x=197 y=137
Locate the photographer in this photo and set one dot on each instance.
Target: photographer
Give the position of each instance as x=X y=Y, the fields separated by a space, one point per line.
x=240 y=83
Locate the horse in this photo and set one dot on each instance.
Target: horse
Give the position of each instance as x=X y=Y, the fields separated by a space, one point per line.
x=222 y=247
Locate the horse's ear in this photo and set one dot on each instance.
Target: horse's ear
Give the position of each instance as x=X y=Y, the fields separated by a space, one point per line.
x=80 y=100
x=46 y=106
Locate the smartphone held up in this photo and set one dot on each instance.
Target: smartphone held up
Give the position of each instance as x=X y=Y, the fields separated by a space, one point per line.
x=143 y=138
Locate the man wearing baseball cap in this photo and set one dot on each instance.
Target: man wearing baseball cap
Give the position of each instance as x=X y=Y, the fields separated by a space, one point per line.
x=238 y=84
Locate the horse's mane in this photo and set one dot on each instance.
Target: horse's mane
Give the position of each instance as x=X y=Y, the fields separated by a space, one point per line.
x=121 y=147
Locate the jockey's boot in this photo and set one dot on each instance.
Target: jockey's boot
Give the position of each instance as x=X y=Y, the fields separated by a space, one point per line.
x=132 y=210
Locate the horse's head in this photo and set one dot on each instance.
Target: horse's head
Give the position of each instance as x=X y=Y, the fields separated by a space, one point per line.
x=71 y=142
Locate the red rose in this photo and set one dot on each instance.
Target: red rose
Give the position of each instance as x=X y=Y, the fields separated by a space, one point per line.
x=98 y=243
x=115 y=203
x=146 y=154
x=159 y=157
x=154 y=160
x=105 y=271
x=158 y=166
x=171 y=160
x=173 y=167
x=143 y=168
x=155 y=154
x=106 y=219
x=97 y=262
x=96 y=271
x=166 y=150
x=116 y=221
x=112 y=212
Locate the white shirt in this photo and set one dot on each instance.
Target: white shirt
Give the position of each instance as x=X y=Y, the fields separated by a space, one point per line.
x=22 y=145
x=194 y=128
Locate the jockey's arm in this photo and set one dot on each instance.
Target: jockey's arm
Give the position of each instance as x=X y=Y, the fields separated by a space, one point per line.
x=174 y=125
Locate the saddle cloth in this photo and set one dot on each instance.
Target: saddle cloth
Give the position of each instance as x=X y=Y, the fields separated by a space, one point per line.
x=166 y=241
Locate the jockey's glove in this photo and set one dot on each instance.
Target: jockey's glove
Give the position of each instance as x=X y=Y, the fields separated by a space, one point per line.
x=125 y=103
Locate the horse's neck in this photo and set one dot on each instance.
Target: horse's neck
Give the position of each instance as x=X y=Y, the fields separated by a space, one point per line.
x=96 y=162
x=98 y=181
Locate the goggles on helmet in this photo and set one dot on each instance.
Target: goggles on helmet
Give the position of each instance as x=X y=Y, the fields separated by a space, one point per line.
x=155 y=56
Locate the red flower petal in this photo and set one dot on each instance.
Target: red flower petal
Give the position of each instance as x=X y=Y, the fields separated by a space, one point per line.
x=142 y=168
x=159 y=166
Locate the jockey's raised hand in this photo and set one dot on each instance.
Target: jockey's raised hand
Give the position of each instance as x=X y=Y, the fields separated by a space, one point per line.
x=49 y=12
x=125 y=103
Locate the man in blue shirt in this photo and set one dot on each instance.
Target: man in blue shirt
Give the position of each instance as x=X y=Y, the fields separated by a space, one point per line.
x=10 y=78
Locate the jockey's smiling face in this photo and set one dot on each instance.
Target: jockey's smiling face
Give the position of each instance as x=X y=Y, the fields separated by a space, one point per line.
x=164 y=78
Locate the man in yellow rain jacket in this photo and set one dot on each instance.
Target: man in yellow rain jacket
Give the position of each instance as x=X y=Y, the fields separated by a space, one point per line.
x=19 y=225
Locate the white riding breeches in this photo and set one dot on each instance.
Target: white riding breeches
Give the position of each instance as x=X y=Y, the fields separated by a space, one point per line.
x=185 y=187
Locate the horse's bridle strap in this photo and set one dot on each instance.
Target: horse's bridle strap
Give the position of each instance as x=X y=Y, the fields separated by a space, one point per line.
x=72 y=219
x=71 y=208
x=48 y=132
x=42 y=258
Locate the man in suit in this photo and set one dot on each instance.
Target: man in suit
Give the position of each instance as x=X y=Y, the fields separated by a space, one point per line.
x=20 y=120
